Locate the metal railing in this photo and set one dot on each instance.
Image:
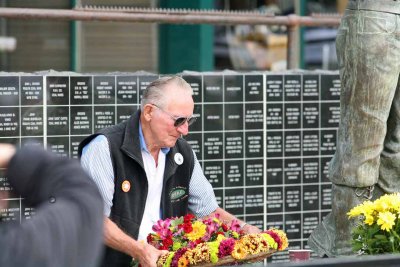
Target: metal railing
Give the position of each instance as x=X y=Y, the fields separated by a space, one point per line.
x=181 y=16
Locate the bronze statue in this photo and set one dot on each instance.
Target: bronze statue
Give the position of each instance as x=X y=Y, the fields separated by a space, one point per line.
x=367 y=159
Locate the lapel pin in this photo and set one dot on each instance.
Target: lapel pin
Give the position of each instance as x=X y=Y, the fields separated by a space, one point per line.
x=126 y=186
x=178 y=158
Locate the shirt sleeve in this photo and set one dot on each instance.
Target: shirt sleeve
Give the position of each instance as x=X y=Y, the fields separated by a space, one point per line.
x=202 y=200
x=96 y=160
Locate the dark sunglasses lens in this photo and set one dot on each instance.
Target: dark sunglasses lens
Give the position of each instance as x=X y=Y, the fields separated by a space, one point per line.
x=191 y=120
x=179 y=121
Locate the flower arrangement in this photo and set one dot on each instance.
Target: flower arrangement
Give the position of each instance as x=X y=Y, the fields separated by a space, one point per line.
x=378 y=230
x=193 y=242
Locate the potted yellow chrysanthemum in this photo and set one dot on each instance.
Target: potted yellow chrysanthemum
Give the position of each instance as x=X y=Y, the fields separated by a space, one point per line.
x=379 y=228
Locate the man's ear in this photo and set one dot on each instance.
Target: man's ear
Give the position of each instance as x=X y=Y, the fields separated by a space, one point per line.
x=148 y=112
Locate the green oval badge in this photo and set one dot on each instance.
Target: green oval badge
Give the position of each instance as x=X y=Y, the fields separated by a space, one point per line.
x=177 y=193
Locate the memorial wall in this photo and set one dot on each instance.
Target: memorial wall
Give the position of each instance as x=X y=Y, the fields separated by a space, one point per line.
x=264 y=139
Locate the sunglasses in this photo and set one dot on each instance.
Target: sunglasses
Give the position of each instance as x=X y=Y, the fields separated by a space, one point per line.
x=178 y=121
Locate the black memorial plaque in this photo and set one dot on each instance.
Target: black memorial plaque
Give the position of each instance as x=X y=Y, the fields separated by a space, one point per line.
x=195 y=141
x=213 y=91
x=213 y=117
x=274 y=221
x=292 y=143
x=31 y=90
x=292 y=116
x=233 y=88
x=254 y=88
x=274 y=144
x=144 y=81
x=310 y=221
x=81 y=120
x=219 y=196
x=274 y=116
x=274 y=88
x=325 y=169
x=330 y=115
x=254 y=144
x=254 y=200
x=73 y=148
x=5 y=184
x=214 y=171
x=197 y=126
x=310 y=115
x=234 y=145
x=254 y=172
x=292 y=198
x=310 y=143
x=310 y=197
x=9 y=91
x=256 y=220
x=293 y=226
x=103 y=117
x=59 y=145
x=57 y=90
x=213 y=146
x=32 y=141
x=310 y=170
x=274 y=172
x=196 y=83
x=81 y=90
x=234 y=201
x=127 y=90
x=274 y=199
x=326 y=197
x=330 y=87
x=253 y=116
x=32 y=121
x=234 y=173
x=292 y=171
x=12 y=212
x=57 y=121
x=328 y=142
x=292 y=87
x=124 y=112
x=9 y=121
x=104 y=89
x=233 y=117
x=311 y=90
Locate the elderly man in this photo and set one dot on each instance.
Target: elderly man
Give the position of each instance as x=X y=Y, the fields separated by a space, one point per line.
x=146 y=171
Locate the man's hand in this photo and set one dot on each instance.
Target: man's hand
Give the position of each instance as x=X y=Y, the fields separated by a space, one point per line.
x=250 y=229
x=147 y=255
x=7 y=151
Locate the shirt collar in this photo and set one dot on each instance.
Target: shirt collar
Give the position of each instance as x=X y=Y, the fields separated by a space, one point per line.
x=143 y=145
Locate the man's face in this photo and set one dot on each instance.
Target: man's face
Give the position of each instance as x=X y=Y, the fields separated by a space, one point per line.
x=179 y=104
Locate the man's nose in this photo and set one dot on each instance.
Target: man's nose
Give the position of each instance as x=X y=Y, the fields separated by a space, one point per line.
x=183 y=129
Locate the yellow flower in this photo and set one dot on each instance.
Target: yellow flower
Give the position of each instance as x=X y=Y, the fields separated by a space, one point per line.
x=220 y=237
x=271 y=242
x=199 y=229
x=183 y=262
x=369 y=219
x=386 y=220
x=239 y=252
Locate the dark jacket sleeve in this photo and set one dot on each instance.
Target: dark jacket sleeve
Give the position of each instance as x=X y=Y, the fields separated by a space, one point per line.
x=67 y=228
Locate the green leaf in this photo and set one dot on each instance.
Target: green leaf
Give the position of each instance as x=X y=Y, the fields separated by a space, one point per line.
x=177 y=221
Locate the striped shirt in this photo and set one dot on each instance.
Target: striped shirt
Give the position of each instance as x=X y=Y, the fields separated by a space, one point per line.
x=96 y=160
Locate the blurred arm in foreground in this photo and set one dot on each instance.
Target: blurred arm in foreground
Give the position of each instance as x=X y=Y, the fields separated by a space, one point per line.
x=68 y=225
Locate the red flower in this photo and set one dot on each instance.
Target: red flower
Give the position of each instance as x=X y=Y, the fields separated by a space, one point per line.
x=187 y=227
x=188 y=218
x=167 y=242
x=149 y=238
x=224 y=227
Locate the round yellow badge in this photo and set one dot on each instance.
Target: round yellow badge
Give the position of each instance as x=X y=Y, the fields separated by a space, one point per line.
x=126 y=186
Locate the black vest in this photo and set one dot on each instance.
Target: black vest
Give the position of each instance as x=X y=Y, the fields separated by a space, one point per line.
x=127 y=210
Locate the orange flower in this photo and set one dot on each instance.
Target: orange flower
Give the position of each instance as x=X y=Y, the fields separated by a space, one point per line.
x=183 y=262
